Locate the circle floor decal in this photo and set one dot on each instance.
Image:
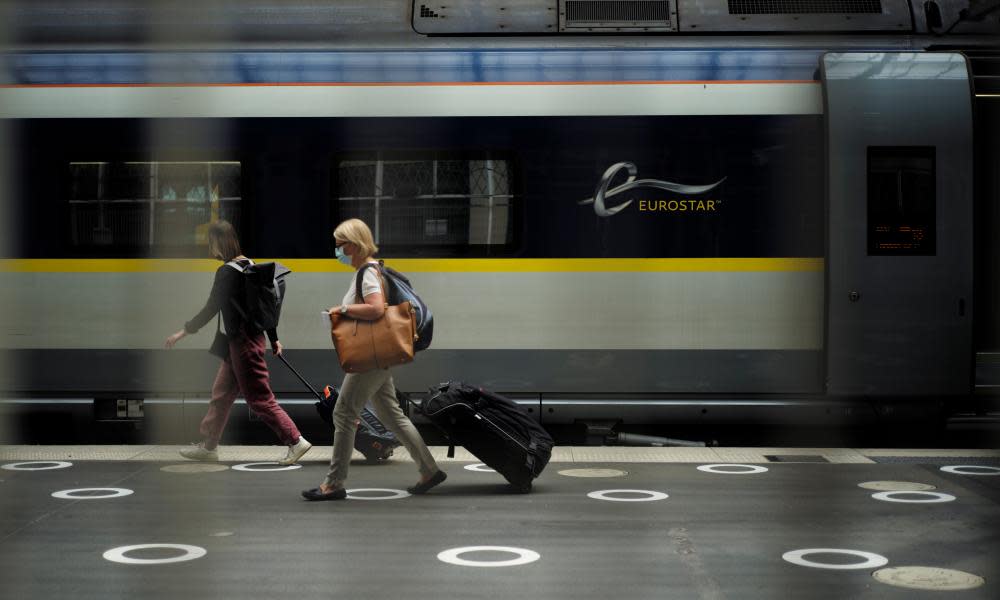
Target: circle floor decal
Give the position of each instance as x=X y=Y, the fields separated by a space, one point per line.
x=390 y=494
x=896 y=486
x=38 y=465
x=262 y=467
x=593 y=473
x=479 y=468
x=871 y=560
x=730 y=469
x=927 y=497
x=928 y=578
x=523 y=556
x=108 y=493
x=971 y=470
x=646 y=495
x=118 y=555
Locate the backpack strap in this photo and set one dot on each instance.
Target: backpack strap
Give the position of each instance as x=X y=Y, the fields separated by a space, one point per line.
x=236 y=265
x=360 y=275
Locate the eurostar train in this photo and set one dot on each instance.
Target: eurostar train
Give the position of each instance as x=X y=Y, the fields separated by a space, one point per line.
x=634 y=212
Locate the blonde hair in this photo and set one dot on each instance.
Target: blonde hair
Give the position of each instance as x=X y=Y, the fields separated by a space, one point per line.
x=356 y=232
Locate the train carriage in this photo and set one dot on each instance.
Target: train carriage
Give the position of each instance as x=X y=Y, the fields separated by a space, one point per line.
x=614 y=216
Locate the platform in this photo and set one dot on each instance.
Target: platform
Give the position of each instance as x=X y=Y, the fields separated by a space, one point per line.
x=786 y=523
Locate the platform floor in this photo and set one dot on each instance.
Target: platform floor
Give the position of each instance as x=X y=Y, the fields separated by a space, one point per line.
x=689 y=533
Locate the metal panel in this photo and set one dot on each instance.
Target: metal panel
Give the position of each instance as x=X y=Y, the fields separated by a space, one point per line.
x=899 y=314
x=793 y=15
x=484 y=16
x=617 y=15
x=146 y=373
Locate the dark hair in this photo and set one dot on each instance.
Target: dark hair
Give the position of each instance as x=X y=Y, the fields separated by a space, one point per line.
x=223 y=236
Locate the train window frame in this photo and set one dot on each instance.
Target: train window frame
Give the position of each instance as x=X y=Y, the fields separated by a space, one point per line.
x=912 y=230
x=163 y=214
x=500 y=234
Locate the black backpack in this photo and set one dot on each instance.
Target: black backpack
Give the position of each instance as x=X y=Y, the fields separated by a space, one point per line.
x=399 y=290
x=263 y=293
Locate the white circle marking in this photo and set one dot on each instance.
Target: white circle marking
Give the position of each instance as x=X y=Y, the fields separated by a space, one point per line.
x=961 y=470
x=929 y=497
x=271 y=466
x=479 y=468
x=392 y=494
x=727 y=469
x=649 y=495
x=524 y=556
x=118 y=554
x=21 y=466
x=872 y=560
x=111 y=493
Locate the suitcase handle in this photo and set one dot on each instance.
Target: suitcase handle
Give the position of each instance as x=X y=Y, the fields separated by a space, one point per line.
x=301 y=378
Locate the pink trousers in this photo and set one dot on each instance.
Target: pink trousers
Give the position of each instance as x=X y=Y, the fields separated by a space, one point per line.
x=245 y=371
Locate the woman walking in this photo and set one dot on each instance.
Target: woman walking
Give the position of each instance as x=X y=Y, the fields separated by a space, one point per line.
x=243 y=368
x=355 y=247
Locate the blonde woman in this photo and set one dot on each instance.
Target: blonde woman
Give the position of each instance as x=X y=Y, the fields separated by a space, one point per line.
x=243 y=369
x=356 y=247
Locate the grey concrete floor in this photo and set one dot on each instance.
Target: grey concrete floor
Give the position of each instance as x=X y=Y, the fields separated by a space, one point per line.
x=715 y=535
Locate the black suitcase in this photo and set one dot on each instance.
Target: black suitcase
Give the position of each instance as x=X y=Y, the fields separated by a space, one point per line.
x=495 y=429
x=372 y=439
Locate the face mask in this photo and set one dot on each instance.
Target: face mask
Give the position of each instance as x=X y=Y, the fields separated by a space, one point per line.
x=345 y=259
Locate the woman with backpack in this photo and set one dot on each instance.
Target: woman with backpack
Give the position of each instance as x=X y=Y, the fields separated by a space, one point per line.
x=355 y=247
x=243 y=368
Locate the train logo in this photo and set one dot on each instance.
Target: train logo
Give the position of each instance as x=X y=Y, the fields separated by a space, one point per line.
x=602 y=192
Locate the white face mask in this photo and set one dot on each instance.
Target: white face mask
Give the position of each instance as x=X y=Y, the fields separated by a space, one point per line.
x=344 y=258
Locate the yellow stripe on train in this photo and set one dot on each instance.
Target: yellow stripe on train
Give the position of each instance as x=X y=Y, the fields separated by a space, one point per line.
x=427 y=265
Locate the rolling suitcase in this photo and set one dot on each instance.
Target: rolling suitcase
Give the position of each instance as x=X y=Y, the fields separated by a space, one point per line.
x=372 y=439
x=493 y=428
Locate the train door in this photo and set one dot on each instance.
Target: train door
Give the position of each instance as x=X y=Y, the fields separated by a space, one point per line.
x=900 y=224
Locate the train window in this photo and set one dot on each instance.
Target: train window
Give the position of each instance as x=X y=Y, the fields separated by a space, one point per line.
x=135 y=207
x=902 y=201
x=429 y=205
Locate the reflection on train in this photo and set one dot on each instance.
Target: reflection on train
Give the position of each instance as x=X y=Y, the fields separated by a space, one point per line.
x=642 y=225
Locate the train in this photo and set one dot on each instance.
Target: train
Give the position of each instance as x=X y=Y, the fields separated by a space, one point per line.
x=619 y=212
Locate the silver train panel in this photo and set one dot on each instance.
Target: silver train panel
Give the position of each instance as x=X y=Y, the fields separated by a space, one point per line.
x=742 y=311
x=387 y=100
x=900 y=223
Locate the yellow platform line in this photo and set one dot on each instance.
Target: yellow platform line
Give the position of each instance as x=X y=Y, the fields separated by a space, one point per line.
x=428 y=265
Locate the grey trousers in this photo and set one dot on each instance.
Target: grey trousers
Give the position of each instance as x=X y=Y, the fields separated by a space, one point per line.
x=375 y=385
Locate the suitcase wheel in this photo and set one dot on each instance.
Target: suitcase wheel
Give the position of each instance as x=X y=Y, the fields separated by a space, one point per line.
x=524 y=488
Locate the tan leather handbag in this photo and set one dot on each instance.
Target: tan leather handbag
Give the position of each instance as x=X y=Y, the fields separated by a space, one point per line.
x=380 y=344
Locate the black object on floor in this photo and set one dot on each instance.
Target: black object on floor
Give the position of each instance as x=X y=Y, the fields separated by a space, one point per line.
x=372 y=438
x=493 y=428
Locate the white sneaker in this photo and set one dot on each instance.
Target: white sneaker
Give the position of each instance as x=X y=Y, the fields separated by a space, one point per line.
x=295 y=451
x=200 y=452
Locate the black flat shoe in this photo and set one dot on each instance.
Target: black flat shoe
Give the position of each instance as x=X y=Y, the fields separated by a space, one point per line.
x=425 y=486
x=317 y=494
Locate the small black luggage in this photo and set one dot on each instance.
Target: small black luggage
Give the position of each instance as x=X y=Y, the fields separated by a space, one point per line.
x=495 y=429
x=372 y=439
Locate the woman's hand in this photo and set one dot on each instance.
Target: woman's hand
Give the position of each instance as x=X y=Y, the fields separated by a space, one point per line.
x=173 y=339
x=277 y=348
x=334 y=310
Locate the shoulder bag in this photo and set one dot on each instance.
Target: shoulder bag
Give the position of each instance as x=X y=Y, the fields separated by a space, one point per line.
x=385 y=342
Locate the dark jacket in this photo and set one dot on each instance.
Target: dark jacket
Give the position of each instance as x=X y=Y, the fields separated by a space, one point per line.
x=227 y=288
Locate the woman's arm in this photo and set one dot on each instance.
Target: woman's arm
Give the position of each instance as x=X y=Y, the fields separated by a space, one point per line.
x=373 y=308
x=222 y=289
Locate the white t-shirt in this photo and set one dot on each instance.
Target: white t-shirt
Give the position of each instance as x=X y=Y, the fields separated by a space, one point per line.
x=369 y=286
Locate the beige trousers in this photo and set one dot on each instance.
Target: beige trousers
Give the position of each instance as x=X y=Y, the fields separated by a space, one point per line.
x=375 y=385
